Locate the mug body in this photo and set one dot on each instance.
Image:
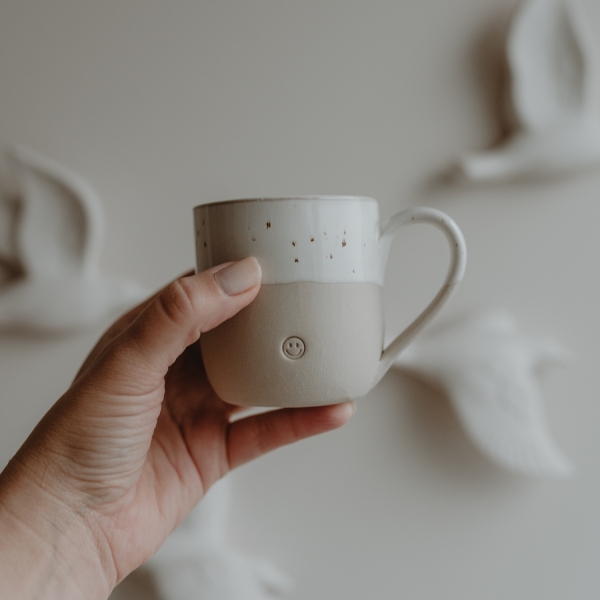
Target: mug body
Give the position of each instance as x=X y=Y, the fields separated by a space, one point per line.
x=314 y=334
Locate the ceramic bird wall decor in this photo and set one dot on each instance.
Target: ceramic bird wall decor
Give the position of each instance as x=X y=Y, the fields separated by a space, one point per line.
x=51 y=237
x=197 y=561
x=553 y=97
x=489 y=370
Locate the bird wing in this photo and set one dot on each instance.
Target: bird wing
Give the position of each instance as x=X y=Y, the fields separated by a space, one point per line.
x=549 y=54
x=61 y=221
x=488 y=370
x=214 y=572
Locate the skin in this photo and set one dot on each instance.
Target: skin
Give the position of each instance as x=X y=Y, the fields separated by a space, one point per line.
x=132 y=447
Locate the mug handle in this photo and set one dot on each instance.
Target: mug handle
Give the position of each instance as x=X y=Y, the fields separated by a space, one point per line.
x=455 y=272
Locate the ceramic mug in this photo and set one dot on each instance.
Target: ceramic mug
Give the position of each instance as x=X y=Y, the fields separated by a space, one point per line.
x=315 y=332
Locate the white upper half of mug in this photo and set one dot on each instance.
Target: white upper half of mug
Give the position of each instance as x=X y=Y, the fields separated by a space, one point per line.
x=322 y=239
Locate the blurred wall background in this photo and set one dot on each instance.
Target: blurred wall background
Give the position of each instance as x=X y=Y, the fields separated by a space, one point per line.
x=164 y=105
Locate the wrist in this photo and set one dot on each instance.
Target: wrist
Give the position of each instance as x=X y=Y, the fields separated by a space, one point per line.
x=47 y=547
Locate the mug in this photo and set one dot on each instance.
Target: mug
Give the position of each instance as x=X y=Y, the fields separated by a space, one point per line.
x=314 y=334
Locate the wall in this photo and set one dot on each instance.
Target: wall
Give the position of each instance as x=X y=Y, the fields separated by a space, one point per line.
x=163 y=105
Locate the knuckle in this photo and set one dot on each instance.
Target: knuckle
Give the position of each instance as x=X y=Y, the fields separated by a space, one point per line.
x=265 y=433
x=296 y=432
x=177 y=301
x=324 y=419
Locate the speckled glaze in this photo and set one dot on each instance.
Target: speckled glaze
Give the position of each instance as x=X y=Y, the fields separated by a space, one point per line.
x=333 y=239
x=323 y=259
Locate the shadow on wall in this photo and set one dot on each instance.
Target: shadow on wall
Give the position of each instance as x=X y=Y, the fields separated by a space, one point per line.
x=492 y=73
x=138 y=586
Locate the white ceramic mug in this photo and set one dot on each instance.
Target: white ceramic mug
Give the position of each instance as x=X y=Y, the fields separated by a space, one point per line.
x=315 y=332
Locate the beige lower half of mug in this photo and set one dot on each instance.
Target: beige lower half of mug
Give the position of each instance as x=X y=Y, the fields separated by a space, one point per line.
x=299 y=344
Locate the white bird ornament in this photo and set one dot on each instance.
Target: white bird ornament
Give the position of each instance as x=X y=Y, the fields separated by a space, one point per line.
x=51 y=237
x=553 y=97
x=488 y=369
x=196 y=561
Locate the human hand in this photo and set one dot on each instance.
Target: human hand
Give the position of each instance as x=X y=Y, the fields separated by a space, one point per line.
x=134 y=444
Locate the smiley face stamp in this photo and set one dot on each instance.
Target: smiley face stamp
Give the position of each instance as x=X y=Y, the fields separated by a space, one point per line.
x=293 y=348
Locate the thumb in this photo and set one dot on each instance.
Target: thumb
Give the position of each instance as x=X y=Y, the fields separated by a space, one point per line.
x=176 y=317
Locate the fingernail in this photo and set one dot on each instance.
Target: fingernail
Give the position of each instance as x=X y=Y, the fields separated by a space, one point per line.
x=353 y=407
x=239 y=277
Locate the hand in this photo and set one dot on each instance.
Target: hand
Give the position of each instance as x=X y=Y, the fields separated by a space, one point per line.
x=134 y=444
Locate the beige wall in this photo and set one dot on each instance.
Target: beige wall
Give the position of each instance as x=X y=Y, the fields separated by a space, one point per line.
x=165 y=104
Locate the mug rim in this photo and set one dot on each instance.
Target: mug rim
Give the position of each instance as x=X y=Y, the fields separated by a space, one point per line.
x=277 y=198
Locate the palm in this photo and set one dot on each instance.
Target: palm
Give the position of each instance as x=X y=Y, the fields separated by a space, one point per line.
x=187 y=454
x=191 y=435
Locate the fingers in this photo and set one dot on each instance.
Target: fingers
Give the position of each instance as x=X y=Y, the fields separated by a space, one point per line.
x=177 y=316
x=254 y=436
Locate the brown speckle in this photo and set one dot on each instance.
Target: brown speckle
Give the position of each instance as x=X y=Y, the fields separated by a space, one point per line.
x=344 y=232
x=268 y=224
x=293 y=243
x=295 y=260
x=312 y=239
x=253 y=239
x=331 y=256
x=343 y=243
x=205 y=244
x=353 y=270
x=324 y=233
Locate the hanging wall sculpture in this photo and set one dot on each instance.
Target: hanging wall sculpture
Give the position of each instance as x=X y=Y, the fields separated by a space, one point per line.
x=196 y=561
x=51 y=236
x=489 y=371
x=553 y=97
